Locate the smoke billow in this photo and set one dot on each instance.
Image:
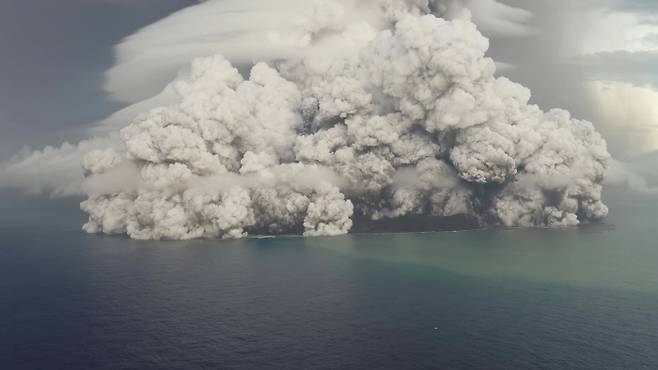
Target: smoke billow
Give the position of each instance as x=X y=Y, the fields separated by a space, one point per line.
x=411 y=122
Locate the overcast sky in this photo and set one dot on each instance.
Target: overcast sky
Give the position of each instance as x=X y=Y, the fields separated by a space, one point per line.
x=598 y=59
x=52 y=58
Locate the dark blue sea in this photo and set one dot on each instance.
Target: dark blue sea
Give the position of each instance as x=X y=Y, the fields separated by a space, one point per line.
x=488 y=299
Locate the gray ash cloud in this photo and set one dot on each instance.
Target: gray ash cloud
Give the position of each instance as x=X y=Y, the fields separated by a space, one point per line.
x=401 y=122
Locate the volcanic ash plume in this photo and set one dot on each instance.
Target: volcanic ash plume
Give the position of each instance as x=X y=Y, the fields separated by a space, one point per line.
x=414 y=124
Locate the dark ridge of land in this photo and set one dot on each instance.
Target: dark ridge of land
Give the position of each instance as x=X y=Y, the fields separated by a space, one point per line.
x=414 y=223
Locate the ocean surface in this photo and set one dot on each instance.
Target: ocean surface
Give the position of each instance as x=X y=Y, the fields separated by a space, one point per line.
x=582 y=297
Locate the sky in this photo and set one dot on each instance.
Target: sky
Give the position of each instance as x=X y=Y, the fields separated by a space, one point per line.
x=596 y=59
x=53 y=55
x=355 y=100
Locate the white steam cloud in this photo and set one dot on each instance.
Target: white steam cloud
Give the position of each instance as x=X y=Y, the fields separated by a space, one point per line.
x=365 y=111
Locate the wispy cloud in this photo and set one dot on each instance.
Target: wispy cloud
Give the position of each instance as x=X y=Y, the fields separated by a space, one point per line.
x=639 y=67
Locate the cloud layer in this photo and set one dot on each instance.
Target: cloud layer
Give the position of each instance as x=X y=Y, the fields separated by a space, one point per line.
x=245 y=32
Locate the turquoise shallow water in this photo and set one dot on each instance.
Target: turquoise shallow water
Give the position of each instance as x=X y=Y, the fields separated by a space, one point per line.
x=571 y=298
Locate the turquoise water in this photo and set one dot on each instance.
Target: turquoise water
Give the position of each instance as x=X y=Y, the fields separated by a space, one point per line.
x=570 y=298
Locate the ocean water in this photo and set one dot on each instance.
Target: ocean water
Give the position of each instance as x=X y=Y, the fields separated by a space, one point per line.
x=571 y=298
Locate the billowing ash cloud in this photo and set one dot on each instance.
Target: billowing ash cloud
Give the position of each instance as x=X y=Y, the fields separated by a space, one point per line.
x=411 y=123
x=244 y=31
